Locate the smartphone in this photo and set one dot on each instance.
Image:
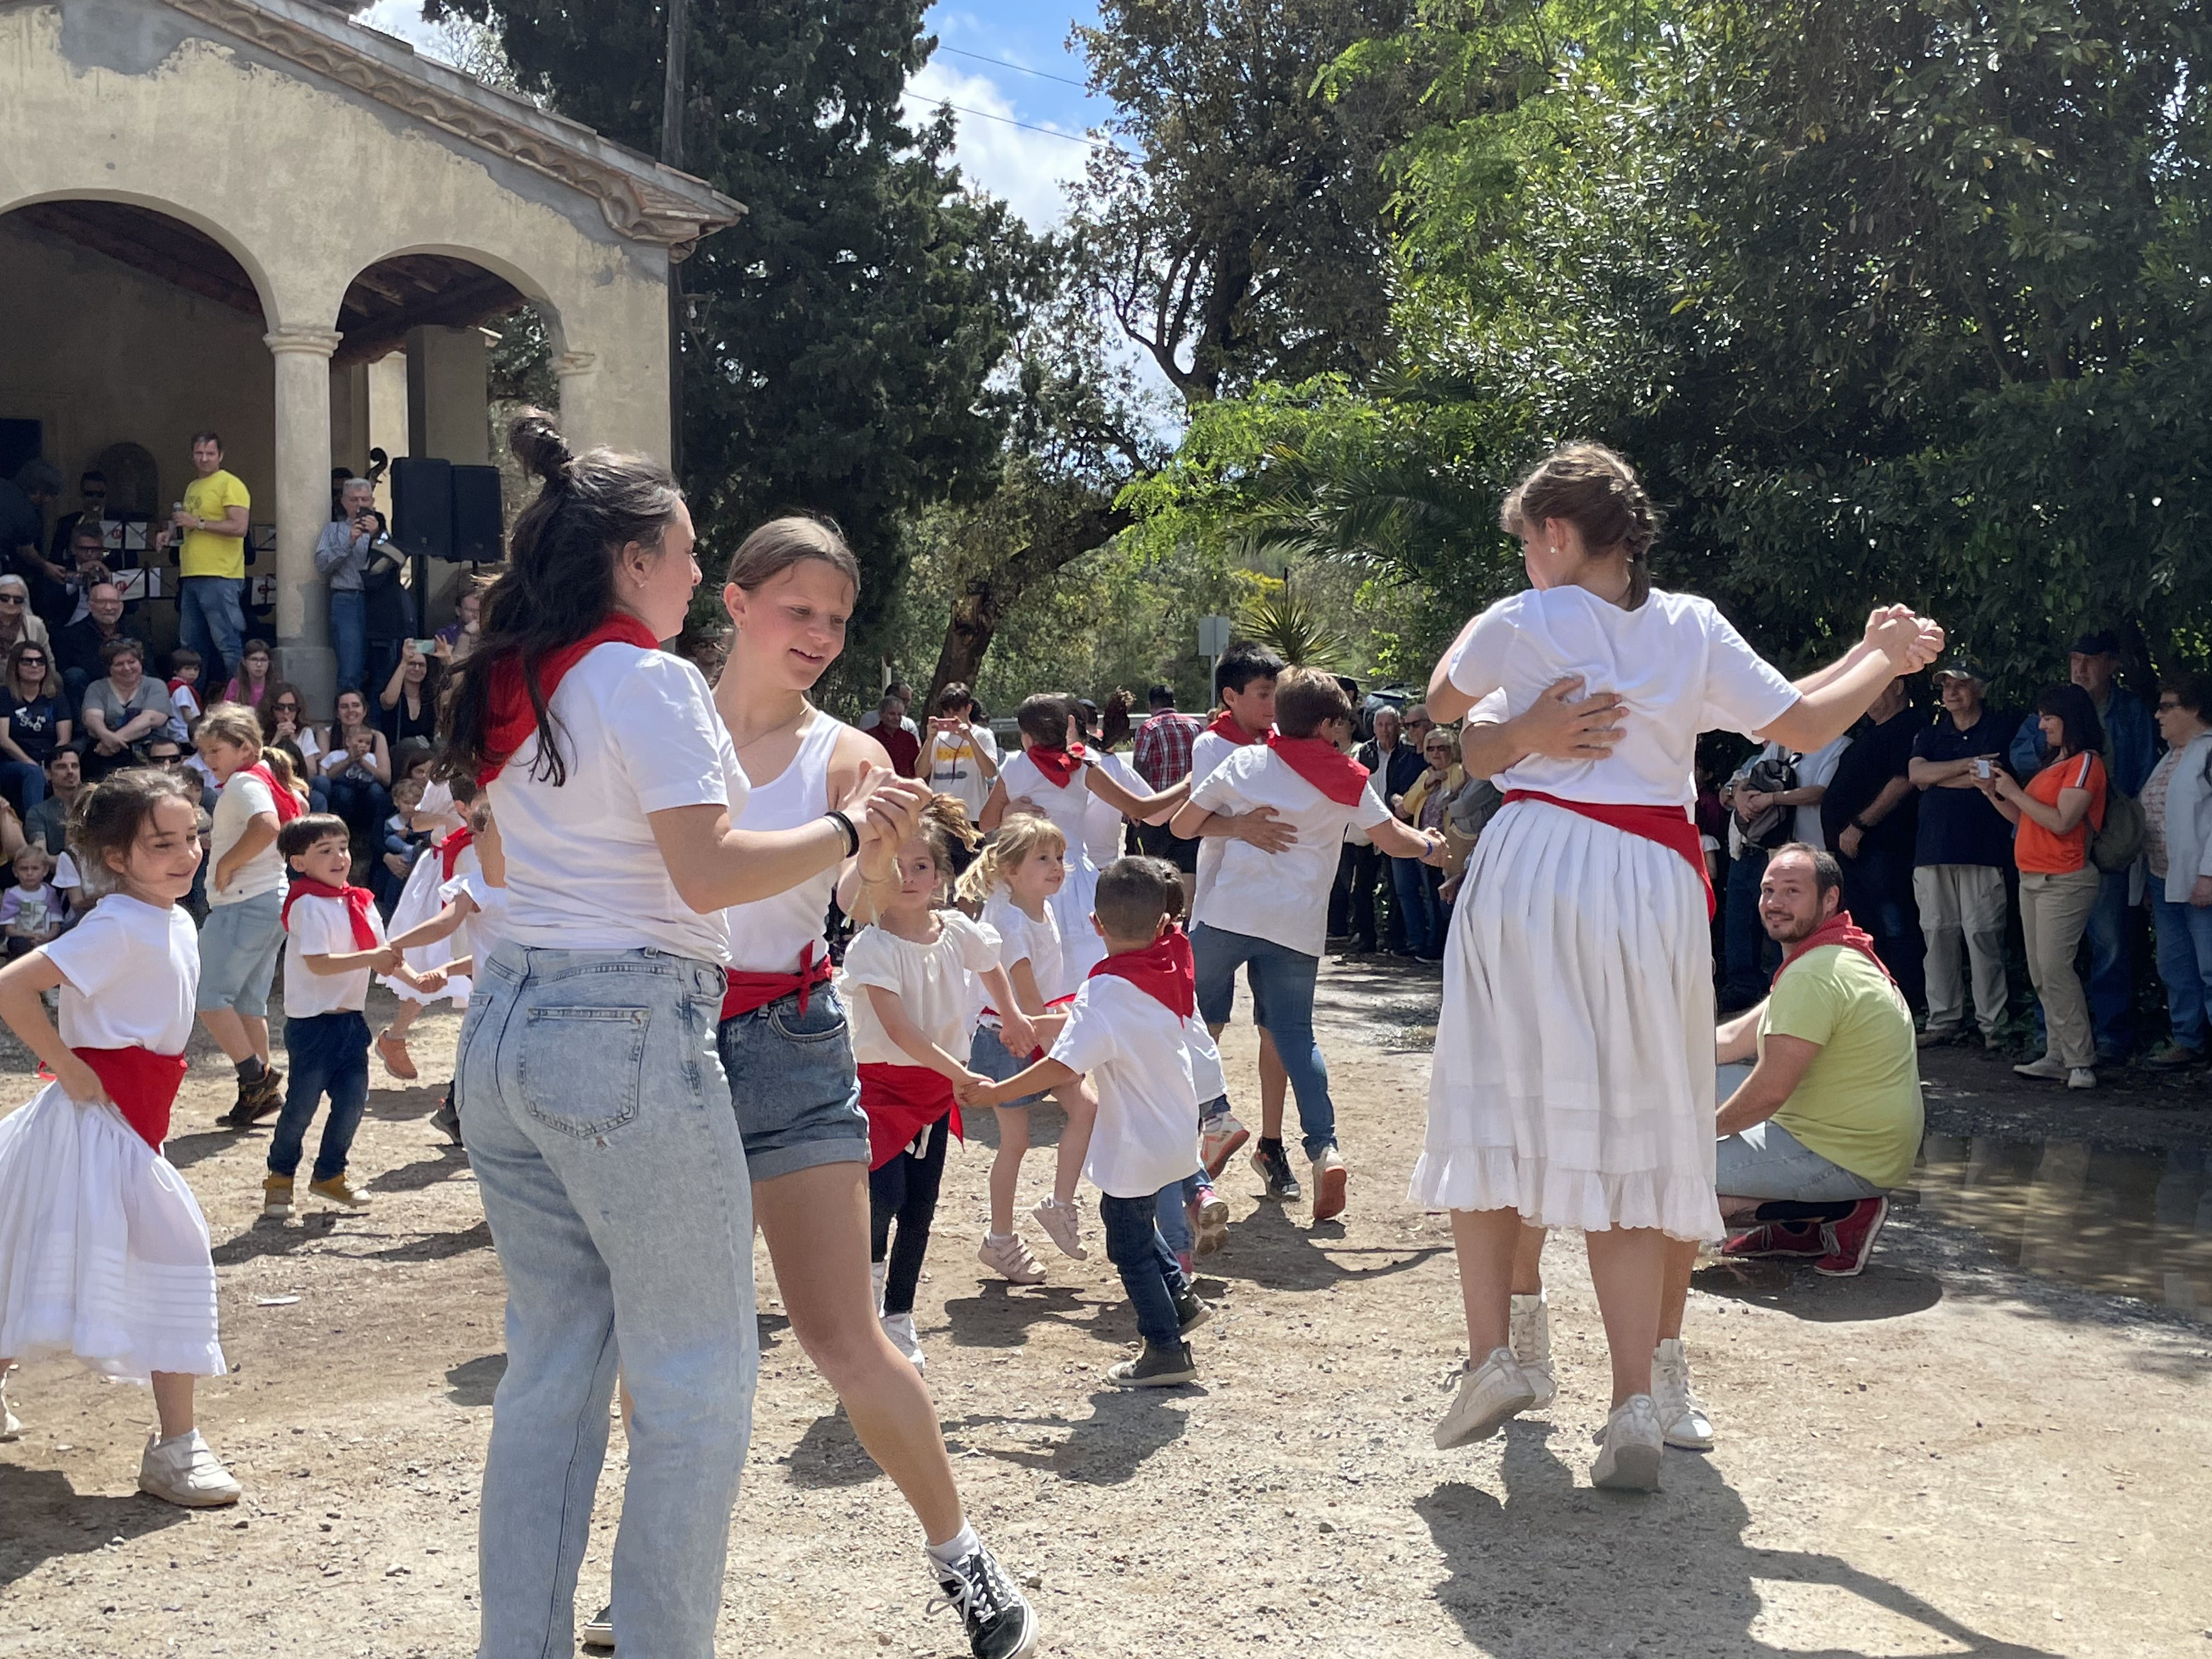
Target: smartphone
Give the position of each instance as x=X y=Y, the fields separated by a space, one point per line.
x=1983 y=768
x=427 y=647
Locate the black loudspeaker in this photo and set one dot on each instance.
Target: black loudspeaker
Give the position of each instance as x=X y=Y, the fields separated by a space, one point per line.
x=423 y=506
x=479 y=521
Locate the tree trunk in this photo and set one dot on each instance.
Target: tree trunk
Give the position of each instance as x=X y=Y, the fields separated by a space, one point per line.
x=984 y=601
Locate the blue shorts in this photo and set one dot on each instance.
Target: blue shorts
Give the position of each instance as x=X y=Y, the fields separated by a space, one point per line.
x=988 y=1054
x=1767 y=1162
x=238 y=946
x=793 y=1084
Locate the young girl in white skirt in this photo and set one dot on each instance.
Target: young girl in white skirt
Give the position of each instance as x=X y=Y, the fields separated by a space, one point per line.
x=440 y=813
x=1573 y=1084
x=103 y=1252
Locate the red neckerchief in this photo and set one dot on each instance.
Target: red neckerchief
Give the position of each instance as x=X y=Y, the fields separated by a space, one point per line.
x=1672 y=827
x=511 y=719
x=1224 y=724
x=743 y=992
x=901 y=1102
x=1323 y=765
x=1164 y=970
x=1838 y=929
x=1058 y=763
x=355 y=900
x=451 y=848
x=287 y=803
x=143 y=1085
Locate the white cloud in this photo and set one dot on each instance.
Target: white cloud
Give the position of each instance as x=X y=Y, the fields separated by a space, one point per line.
x=1030 y=170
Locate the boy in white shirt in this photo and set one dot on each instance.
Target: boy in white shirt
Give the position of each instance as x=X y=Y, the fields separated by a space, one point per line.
x=1132 y=1030
x=333 y=939
x=1267 y=912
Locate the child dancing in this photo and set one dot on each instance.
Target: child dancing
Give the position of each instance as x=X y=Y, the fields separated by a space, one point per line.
x=103 y=1252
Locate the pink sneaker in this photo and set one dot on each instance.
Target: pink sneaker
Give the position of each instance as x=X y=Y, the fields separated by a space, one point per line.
x=1852 y=1238
x=1209 y=1220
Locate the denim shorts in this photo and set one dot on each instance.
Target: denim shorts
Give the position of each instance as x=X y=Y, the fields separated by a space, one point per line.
x=988 y=1055
x=238 y=946
x=794 y=1085
x=1767 y=1162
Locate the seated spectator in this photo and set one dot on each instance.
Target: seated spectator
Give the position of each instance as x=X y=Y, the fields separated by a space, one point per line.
x=33 y=723
x=47 y=824
x=402 y=844
x=356 y=770
x=31 y=912
x=184 y=692
x=70 y=600
x=79 y=645
x=122 y=710
x=1427 y=805
x=2057 y=812
x=458 y=637
x=2178 y=841
x=284 y=724
x=257 y=661
x=895 y=732
x=18 y=622
x=409 y=702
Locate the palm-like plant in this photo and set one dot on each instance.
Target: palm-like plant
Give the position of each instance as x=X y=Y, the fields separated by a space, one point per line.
x=1293 y=627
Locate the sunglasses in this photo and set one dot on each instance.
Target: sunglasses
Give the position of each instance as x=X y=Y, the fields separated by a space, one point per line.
x=12 y=599
x=30 y=662
x=286 y=707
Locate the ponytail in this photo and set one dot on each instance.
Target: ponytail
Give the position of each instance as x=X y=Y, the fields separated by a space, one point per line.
x=1017 y=838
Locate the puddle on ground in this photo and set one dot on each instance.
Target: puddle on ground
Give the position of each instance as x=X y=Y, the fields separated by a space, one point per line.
x=2121 y=1222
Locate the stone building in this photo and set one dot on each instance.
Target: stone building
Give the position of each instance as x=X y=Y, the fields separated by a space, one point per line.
x=257 y=216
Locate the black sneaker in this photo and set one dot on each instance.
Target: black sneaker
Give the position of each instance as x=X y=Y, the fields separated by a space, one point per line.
x=1155 y=1367
x=1001 y=1624
x=447 y=1119
x=1273 y=1165
x=1190 y=1312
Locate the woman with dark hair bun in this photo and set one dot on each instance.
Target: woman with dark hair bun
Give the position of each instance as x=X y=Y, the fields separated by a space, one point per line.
x=595 y=1109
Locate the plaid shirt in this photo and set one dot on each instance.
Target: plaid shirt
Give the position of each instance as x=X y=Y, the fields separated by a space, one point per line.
x=1161 y=755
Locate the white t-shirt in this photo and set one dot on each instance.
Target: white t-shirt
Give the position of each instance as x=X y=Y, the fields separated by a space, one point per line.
x=1141 y=1060
x=1280 y=897
x=320 y=927
x=639 y=734
x=1207 y=750
x=1102 y=824
x=243 y=800
x=484 y=928
x=949 y=764
x=1068 y=806
x=1817 y=769
x=1675 y=661
x=1022 y=938
x=932 y=982
x=129 y=972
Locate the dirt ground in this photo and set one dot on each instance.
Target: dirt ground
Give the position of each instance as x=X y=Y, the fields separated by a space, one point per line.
x=1945 y=1455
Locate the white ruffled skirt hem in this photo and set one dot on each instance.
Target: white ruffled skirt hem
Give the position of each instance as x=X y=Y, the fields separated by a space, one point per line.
x=418 y=903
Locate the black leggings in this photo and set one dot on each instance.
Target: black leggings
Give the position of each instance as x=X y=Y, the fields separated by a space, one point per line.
x=904 y=1190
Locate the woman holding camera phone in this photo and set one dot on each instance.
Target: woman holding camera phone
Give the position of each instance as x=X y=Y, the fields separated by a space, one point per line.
x=410 y=699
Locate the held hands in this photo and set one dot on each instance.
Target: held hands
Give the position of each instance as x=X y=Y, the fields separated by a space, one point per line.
x=429 y=984
x=973 y=1090
x=390 y=960
x=1261 y=828
x=885 y=808
x=1911 y=641
x=1561 y=725
x=1016 y=1032
x=1434 y=855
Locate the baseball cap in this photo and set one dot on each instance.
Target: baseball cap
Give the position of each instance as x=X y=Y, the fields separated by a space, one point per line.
x=1962 y=668
x=2100 y=643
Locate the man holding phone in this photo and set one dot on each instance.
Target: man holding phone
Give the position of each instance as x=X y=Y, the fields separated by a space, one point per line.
x=959 y=757
x=341 y=555
x=1960 y=852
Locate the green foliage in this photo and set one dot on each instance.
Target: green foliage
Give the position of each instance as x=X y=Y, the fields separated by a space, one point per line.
x=1293 y=627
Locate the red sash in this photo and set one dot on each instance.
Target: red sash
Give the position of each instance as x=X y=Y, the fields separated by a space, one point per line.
x=287 y=803
x=901 y=1102
x=1323 y=765
x=743 y=993
x=1058 y=764
x=511 y=719
x=1672 y=827
x=1838 y=929
x=143 y=1085
x=1164 y=970
x=1224 y=724
x=357 y=901
x=451 y=848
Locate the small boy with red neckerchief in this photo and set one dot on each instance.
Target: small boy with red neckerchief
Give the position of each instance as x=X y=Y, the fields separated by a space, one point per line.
x=1133 y=1032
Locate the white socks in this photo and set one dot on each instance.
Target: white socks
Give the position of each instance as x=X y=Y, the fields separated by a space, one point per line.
x=956 y=1548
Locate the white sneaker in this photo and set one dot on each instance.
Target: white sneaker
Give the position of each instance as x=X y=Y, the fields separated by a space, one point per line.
x=1532 y=1344
x=186 y=1471
x=1008 y=1257
x=1495 y=1391
x=1062 y=1225
x=900 y=1328
x=876 y=1271
x=2045 y=1070
x=2081 y=1077
x=1684 y=1423
x=1329 y=1178
x=9 y=1428
x=1628 y=1460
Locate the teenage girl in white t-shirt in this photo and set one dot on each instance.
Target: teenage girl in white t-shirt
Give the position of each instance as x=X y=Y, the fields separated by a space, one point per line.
x=103 y=1252
x=1573 y=1079
x=597 y=1115
x=785 y=1041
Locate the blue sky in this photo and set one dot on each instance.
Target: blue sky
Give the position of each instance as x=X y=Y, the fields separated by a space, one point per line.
x=986 y=50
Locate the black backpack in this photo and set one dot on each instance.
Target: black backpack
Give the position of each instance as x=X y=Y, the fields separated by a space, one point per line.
x=1775 y=827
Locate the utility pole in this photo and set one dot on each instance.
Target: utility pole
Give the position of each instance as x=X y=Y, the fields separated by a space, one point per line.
x=671 y=152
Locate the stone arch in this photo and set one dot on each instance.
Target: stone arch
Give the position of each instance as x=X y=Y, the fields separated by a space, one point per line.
x=448 y=261
x=236 y=246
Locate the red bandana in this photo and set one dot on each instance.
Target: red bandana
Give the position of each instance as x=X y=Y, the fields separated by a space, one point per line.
x=1057 y=764
x=287 y=803
x=743 y=992
x=143 y=1085
x=901 y=1102
x=1164 y=970
x=513 y=720
x=355 y=900
x=1224 y=724
x=1323 y=765
x=1838 y=929
x=451 y=848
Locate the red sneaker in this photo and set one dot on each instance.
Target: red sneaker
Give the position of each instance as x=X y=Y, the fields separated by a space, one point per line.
x=1778 y=1238
x=1851 y=1240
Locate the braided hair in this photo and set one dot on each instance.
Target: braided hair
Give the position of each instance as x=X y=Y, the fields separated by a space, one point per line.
x=1596 y=491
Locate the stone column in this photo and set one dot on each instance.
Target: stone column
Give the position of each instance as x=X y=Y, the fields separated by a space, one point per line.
x=303 y=508
x=579 y=374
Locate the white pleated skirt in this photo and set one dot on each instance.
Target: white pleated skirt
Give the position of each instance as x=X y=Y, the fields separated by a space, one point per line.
x=1574 y=1078
x=418 y=903
x=103 y=1251
x=1081 y=948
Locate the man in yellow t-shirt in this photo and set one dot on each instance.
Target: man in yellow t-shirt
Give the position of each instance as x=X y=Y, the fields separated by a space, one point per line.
x=211 y=565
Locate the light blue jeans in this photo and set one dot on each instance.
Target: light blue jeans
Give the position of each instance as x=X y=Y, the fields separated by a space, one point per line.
x=1767 y=1162
x=2185 y=962
x=598 y=1121
x=1282 y=981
